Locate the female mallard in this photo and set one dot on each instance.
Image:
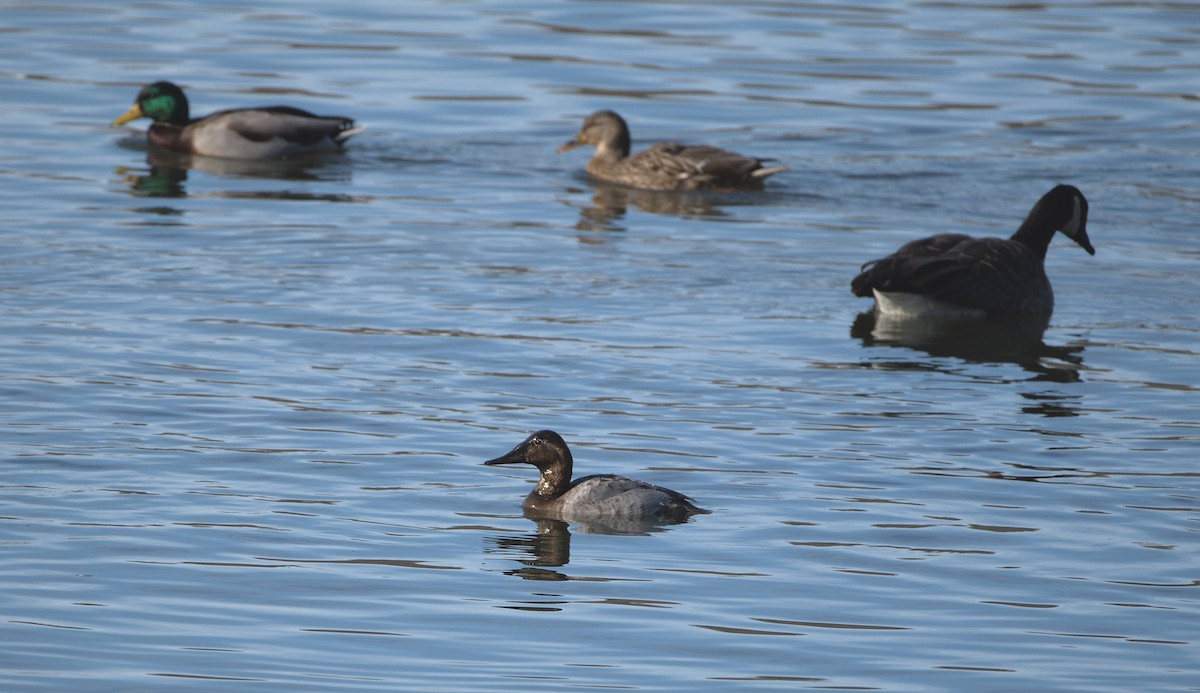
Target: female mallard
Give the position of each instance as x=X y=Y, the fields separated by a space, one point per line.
x=953 y=275
x=270 y=132
x=665 y=166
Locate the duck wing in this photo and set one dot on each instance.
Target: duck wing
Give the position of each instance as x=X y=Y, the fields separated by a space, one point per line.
x=598 y=487
x=674 y=166
x=293 y=125
x=613 y=495
x=720 y=164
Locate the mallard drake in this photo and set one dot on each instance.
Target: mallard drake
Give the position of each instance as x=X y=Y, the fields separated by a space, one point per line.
x=664 y=166
x=954 y=275
x=595 y=497
x=270 y=132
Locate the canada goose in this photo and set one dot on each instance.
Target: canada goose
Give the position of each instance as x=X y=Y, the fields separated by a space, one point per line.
x=954 y=275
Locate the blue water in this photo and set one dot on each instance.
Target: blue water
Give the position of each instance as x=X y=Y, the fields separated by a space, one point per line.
x=245 y=407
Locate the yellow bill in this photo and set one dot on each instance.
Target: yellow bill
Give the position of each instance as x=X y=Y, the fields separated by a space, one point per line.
x=134 y=112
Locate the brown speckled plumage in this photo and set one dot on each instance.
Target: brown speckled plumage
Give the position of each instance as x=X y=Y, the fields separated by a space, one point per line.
x=664 y=166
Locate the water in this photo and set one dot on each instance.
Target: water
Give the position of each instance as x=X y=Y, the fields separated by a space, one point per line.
x=245 y=408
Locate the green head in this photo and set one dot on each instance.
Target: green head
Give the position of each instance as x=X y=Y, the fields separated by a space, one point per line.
x=162 y=102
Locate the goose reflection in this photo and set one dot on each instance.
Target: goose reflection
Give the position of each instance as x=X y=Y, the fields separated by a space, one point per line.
x=1018 y=342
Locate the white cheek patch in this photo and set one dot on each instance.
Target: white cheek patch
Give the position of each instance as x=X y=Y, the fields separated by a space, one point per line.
x=1072 y=226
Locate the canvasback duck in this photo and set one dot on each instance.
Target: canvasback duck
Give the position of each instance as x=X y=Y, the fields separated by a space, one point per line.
x=957 y=276
x=590 y=498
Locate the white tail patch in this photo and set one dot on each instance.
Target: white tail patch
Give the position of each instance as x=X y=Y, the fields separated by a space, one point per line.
x=904 y=305
x=764 y=172
x=348 y=133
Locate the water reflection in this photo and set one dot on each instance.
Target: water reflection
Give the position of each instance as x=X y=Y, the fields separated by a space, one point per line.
x=1052 y=405
x=611 y=202
x=550 y=545
x=168 y=174
x=977 y=341
x=158 y=181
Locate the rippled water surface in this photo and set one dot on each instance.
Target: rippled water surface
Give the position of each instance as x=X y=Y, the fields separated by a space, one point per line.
x=245 y=406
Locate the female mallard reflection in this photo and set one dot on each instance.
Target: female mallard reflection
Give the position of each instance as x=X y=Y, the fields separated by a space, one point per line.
x=611 y=202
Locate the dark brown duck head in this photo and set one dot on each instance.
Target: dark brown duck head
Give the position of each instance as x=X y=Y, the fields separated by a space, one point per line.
x=547 y=451
x=607 y=131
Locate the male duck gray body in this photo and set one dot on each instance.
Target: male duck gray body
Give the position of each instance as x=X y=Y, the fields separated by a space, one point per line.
x=595 y=497
x=268 y=132
x=954 y=275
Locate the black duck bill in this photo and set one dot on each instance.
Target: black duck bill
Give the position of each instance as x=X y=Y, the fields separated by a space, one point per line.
x=514 y=456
